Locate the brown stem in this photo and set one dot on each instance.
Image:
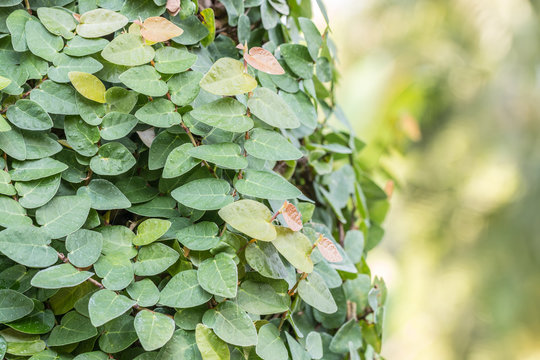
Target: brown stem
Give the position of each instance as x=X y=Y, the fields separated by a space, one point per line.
x=27 y=5
x=302 y=277
x=341 y=234
x=245 y=246
x=283 y=318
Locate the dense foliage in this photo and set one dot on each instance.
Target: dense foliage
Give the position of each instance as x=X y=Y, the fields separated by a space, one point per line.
x=173 y=187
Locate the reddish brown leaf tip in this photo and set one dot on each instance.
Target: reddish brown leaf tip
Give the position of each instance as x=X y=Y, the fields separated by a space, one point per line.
x=328 y=250
x=292 y=216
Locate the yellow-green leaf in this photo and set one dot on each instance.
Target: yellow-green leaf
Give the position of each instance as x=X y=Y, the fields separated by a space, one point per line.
x=88 y=86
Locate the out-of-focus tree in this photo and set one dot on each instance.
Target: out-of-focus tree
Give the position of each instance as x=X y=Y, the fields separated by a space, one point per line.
x=454 y=85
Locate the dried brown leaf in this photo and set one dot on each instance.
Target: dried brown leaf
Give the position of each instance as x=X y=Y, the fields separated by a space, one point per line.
x=77 y=17
x=292 y=216
x=263 y=60
x=328 y=250
x=159 y=29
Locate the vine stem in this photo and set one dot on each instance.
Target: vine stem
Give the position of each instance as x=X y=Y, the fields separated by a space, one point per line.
x=27 y=5
x=302 y=277
x=245 y=246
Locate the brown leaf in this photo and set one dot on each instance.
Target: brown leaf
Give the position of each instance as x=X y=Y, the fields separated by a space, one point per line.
x=173 y=7
x=263 y=60
x=77 y=17
x=328 y=250
x=159 y=29
x=292 y=216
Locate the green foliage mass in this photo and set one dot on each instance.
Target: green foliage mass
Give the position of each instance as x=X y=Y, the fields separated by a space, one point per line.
x=143 y=186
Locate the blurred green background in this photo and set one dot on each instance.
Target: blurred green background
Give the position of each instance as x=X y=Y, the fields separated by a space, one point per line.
x=446 y=94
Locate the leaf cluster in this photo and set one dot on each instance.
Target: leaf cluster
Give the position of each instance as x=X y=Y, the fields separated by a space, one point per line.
x=171 y=186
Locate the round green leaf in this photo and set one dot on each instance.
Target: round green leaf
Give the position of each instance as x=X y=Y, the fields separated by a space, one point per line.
x=112 y=159
x=159 y=113
x=41 y=42
x=144 y=292
x=314 y=292
x=145 y=80
x=57 y=21
x=181 y=346
x=27 y=114
x=37 y=193
x=264 y=258
x=55 y=98
x=170 y=60
x=27 y=245
x=272 y=109
x=226 y=114
x=251 y=218
x=219 y=275
x=270 y=346
x=179 y=162
x=295 y=247
x=184 y=291
x=106 y=305
x=104 y=195
x=64 y=64
x=73 y=328
x=266 y=185
x=118 y=335
x=59 y=276
x=153 y=329
x=261 y=299
x=184 y=87
x=14 y=305
x=225 y=155
x=348 y=336
x=12 y=213
x=200 y=236
x=35 y=169
x=40 y=322
x=154 y=259
x=116 y=271
x=204 y=194
x=99 y=22
x=128 y=50
x=270 y=145
x=79 y=46
x=116 y=125
x=227 y=77
x=63 y=215
x=84 y=247
x=231 y=324
x=210 y=346
x=298 y=59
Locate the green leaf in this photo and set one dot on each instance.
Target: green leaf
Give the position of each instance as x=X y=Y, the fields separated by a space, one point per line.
x=298 y=59
x=179 y=162
x=84 y=247
x=64 y=64
x=163 y=206
x=27 y=114
x=219 y=275
x=314 y=292
x=312 y=36
x=184 y=291
x=112 y=159
x=159 y=113
x=270 y=346
x=104 y=195
x=63 y=215
x=209 y=22
x=12 y=143
x=116 y=270
x=261 y=299
x=297 y=350
x=4 y=82
x=154 y=259
x=59 y=276
x=12 y=213
x=79 y=46
x=150 y=230
x=116 y=125
x=231 y=324
x=304 y=109
x=194 y=30
x=90 y=111
x=6 y=188
x=40 y=322
x=184 y=87
x=94 y=355
x=20 y=344
x=117 y=240
x=14 y=305
x=57 y=21
x=41 y=42
x=55 y=98
x=314 y=345
x=227 y=77
x=251 y=218
x=15 y=23
x=181 y=346
x=264 y=258
x=153 y=329
x=200 y=236
x=118 y=334
x=272 y=109
x=73 y=328
x=40 y=144
x=27 y=245
x=170 y=60
x=348 y=335
x=226 y=114
x=120 y=99
x=295 y=247
x=162 y=145
x=266 y=185
x=225 y=155
x=270 y=145
x=145 y=80
x=106 y=305
x=128 y=50
x=144 y=292
x=35 y=169
x=135 y=9
x=81 y=136
x=210 y=346
x=204 y=194
x=136 y=189
x=99 y=22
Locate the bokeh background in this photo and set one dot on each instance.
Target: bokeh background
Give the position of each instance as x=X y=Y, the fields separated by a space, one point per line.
x=446 y=95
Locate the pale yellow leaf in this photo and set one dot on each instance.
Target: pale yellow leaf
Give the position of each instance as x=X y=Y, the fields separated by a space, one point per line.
x=88 y=86
x=159 y=29
x=263 y=60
